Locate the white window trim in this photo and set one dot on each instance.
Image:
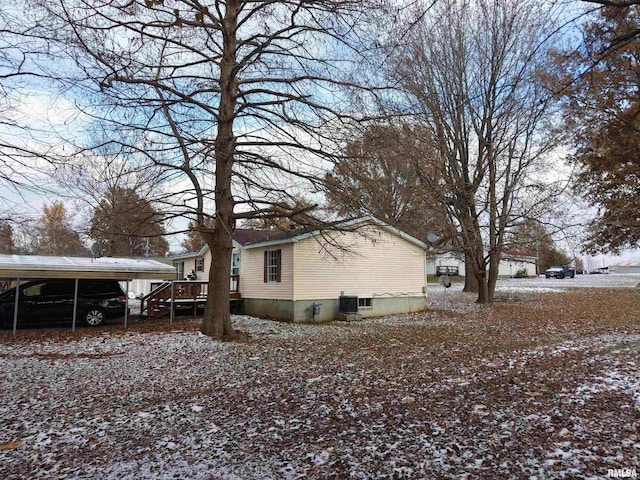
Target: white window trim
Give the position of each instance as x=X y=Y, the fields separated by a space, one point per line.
x=272 y=266
x=199 y=266
x=365 y=307
x=180 y=270
x=235 y=270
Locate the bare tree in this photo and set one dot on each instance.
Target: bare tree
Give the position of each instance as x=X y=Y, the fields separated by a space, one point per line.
x=472 y=77
x=380 y=176
x=193 y=241
x=22 y=149
x=118 y=192
x=238 y=102
x=614 y=3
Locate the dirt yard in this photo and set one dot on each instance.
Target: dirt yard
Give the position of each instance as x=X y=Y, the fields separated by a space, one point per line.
x=542 y=385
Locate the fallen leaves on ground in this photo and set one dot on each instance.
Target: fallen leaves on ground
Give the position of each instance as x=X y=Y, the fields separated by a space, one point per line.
x=542 y=385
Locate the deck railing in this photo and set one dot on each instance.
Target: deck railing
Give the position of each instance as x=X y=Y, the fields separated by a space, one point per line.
x=158 y=303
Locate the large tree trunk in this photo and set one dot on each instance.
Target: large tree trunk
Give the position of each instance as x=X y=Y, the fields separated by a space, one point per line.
x=217 y=315
x=493 y=276
x=470 y=280
x=483 y=288
x=480 y=272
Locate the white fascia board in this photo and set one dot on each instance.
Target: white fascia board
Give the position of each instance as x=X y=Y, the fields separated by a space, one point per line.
x=199 y=253
x=183 y=256
x=270 y=243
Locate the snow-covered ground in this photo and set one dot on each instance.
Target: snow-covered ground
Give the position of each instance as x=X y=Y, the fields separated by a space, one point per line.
x=580 y=281
x=504 y=392
x=453 y=298
x=541 y=284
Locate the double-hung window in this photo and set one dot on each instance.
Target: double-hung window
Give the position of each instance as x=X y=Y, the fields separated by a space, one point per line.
x=199 y=264
x=272 y=265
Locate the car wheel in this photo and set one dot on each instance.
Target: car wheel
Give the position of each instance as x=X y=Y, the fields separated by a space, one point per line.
x=547 y=277
x=94 y=317
x=561 y=276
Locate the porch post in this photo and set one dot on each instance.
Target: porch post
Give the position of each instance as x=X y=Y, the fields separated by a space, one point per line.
x=173 y=287
x=15 y=307
x=75 y=307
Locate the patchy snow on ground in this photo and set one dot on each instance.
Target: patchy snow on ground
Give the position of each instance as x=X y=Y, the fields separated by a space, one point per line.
x=550 y=285
x=580 y=281
x=509 y=391
x=455 y=299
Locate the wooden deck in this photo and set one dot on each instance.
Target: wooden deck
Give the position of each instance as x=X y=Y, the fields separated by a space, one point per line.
x=183 y=294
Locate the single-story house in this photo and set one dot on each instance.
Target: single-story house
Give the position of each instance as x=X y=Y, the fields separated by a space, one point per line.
x=625 y=267
x=281 y=274
x=452 y=263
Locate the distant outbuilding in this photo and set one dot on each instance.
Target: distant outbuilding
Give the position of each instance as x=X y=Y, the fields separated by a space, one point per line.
x=625 y=267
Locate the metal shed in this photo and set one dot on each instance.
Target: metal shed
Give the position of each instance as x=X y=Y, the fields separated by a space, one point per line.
x=107 y=268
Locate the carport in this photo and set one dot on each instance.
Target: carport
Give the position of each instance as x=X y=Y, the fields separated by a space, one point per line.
x=27 y=267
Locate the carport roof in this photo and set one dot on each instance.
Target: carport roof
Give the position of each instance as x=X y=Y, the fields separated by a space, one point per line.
x=37 y=266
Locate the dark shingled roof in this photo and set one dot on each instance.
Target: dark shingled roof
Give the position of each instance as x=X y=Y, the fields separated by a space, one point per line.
x=247 y=236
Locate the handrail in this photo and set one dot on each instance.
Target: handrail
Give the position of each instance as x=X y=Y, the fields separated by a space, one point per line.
x=145 y=300
x=159 y=300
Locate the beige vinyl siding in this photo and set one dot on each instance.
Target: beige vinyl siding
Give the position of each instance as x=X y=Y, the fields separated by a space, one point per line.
x=380 y=265
x=252 y=283
x=189 y=265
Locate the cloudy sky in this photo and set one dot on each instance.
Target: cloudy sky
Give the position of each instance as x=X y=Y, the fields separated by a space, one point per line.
x=54 y=122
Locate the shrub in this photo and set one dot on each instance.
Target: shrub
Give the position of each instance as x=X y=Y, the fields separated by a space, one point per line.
x=522 y=273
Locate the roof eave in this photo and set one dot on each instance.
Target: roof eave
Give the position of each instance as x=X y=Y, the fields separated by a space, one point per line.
x=348 y=223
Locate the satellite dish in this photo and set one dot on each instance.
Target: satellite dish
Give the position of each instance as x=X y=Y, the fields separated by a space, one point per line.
x=444 y=280
x=432 y=237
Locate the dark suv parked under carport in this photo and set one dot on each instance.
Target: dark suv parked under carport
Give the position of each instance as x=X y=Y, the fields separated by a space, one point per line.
x=51 y=301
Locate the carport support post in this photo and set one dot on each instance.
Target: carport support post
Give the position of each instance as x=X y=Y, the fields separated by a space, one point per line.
x=75 y=307
x=173 y=288
x=15 y=307
x=126 y=305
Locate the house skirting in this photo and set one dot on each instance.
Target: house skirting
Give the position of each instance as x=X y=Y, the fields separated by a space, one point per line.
x=300 y=310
